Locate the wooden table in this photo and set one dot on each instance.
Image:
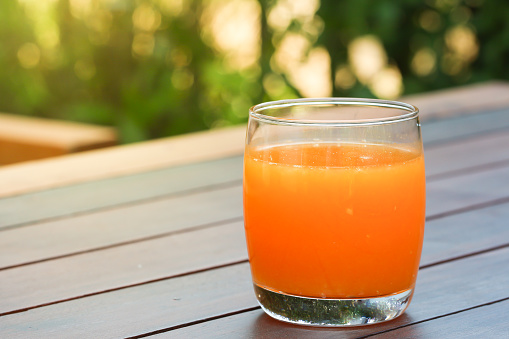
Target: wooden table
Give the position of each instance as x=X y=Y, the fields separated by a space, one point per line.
x=148 y=240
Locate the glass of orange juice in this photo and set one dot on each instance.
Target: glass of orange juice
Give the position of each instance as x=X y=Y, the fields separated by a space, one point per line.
x=334 y=207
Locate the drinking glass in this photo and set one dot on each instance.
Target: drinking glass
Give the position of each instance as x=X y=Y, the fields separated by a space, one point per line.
x=334 y=207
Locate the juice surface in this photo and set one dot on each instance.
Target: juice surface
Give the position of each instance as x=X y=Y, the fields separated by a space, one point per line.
x=334 y=221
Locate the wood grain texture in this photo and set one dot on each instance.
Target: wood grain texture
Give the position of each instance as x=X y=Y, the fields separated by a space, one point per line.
x=465 y=233
x=471 y=154
x=117 y=226
x=209 y=145
x=132 y=311
x=89 y=273
x=483 y=322
x=456 y=129
x=470 y=189
x=461 y=100
x=102 y=194
x=141 y=256
x=142 y=309
x=122 y=266
x=443 y=158
x=122 y=160
x=120 y=225
x=461 y=285
x=452 y=158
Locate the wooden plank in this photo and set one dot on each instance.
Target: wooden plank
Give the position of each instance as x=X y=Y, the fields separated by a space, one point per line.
x=470 y=154
x=131 y=311
x=466 y=190
x=165 y=304
x=25 y=138
x=465 y=233
x=203 y=146
x=456 y=129
x=121 y=224
x=122 y=160
x=462 y=285
x=482 y=322
x=445 y=239
x=444 y=157
x=90 y=196
x=461 y=100
x=122 y=266
x=118 y=226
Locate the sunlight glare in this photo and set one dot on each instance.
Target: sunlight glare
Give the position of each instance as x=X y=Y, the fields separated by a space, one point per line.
x=171 y=7
x=312 y=78
x=281 y=15
x=424 y=62
x=42 y=14
x=146 y=18
x=461 y=40
x=290 y=51
x=388 y=83
x=233 y=28
x=80 y=8
x=367 y=57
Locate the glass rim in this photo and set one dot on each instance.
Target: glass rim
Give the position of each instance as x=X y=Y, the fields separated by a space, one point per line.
x=411 y=111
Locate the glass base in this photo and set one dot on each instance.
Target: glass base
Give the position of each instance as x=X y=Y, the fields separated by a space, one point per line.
x=332 y=312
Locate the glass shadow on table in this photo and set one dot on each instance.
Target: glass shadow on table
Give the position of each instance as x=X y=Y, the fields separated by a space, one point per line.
x=263 y=326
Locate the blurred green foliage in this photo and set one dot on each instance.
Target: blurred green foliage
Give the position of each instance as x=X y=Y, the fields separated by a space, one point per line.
x=155 y=68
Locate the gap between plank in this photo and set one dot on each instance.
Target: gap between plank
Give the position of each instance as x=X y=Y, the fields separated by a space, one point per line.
x=191 y=191
x=234 y=219
x=129 y=242
x=459 y=257
x=250 y=309
x=462 y=138
x=238 y=262
x=126 y=286
x=233 y=183
x=239 y=218
x=196 y=322
x=437 y=317
x=468 y=170
x=469 y=208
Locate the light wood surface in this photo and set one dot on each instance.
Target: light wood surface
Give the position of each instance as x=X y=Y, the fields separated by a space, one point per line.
x=461 y=101
x=29 y=138
x=121 y=160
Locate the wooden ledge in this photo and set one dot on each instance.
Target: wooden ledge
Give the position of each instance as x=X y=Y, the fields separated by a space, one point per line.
x=202 y=146
x=120 y=160
x=30 y=138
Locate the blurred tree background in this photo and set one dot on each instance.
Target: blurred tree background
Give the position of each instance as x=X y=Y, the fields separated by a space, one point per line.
x=155 y=68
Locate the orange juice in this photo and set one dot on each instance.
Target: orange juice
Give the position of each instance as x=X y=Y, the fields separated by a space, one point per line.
x=334 y=220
